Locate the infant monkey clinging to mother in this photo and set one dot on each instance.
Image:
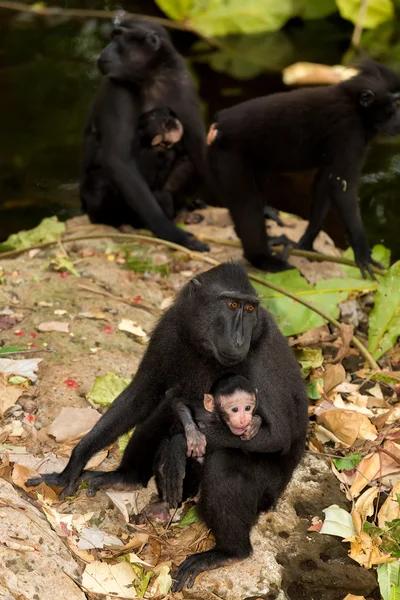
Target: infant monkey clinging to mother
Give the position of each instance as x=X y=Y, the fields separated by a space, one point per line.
x=232 y=400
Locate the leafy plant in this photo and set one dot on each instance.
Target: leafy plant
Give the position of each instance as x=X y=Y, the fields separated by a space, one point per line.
x=347 y=463
x=389 y=580
x=106 y=388
x=294 y=318
x=378 y=11
x=48 y=230
x=384 y=319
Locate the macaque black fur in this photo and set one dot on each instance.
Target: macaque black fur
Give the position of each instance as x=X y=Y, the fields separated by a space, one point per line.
x=197 y=340
x=328 y=128
x=142 y=71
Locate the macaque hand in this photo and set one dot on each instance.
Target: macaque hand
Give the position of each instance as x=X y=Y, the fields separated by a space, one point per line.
x=252 y=429
x=196 y=443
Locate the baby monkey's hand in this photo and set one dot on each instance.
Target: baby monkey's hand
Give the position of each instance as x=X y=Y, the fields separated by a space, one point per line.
x=252 y=429
x=196 y=442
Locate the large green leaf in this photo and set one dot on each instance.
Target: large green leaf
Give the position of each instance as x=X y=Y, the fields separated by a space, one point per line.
x=49 y=230
x=378 y=11
x=106 y=388
x=223 y=17
x=246 y=56
x=291 y=316
x=379 y=253
x=389 y=580
x=318 y=9
x=384 y=319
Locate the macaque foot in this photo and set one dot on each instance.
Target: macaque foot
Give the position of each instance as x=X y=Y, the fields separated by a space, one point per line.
x=100 y=480
x=69 y=485
x=269 y=263
x=194 y=244
x=271 y=213
x=156 y=511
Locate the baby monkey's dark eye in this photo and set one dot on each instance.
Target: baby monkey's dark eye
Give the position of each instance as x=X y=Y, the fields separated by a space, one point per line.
x=248 y=408
x=233 y=305
x=235 y=409
x=250 y=308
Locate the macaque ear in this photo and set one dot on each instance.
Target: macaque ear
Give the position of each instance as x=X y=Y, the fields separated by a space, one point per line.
x=367 y=97
x=195 y=284
x=209 y=403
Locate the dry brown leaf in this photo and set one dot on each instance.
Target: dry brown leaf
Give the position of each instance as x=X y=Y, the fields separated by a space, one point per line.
x=93 y=315
x=59 y=326
x=71 y=422
x=333 y=376
x=366 y=551
x=390 y=509
x=375 y=466
x=346 y=335
x=311 y=337
x=115 y=580
x=364 y=507
x=20 y=474
x=9 y=394
x=348 y=425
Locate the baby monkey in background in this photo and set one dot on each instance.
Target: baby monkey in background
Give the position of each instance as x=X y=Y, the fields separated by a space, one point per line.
x=232 y=400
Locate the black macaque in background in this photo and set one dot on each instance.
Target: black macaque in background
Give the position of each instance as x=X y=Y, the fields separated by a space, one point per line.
x=164 y=163
x=215 y=326
x=328 y=128
x=142 y=71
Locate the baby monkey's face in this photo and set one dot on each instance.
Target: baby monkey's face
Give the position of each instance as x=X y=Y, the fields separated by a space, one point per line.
x=236 y=409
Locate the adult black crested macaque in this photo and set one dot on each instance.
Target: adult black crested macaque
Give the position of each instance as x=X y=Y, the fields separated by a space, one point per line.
x=215 y=326
x=142 y=71
x=163 y=161
x=328 y=128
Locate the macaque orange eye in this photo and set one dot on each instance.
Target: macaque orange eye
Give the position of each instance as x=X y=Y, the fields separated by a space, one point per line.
x=250 y=308
x=233 y=305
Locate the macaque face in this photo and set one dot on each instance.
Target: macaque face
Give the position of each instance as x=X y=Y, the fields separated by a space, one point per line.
x=236 y=410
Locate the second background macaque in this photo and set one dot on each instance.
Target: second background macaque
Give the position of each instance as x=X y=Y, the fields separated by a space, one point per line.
x=232 y=400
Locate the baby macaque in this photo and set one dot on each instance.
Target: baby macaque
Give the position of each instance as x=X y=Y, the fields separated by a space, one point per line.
x=162 y=157
x=231 y=400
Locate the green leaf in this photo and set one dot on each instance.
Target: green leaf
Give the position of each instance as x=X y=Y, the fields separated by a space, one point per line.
x=16 y=380
x=308 y=359
x=385 y=378
x=398 y=498
x=49 y=230
x=292 y=317
x=394 y=528
x=372 y=530
x=312 y=388
x=378 y=11
x=223 y=17
x=384 y=319
x=348 y=463
x=246 y=56
x=63 y=263
x=389 y=580
x=106 y=388
x=139 y=264
x=123 y=441
x=4 y=350
x=318 y=9
x=192 y=516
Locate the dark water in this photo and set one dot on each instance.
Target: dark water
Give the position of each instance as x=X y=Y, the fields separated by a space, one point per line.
x=48 y=78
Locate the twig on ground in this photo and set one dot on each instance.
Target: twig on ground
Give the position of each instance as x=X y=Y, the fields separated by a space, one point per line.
x=150 y=309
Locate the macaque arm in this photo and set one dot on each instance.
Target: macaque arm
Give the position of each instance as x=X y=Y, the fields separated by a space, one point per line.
x=219 y=436
x=196 y=441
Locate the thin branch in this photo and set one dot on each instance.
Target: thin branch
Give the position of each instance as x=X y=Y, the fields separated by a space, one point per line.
x=207 y=259
x=310 y=255
x=82 y=13
x=149 y=309
x=362 y=13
